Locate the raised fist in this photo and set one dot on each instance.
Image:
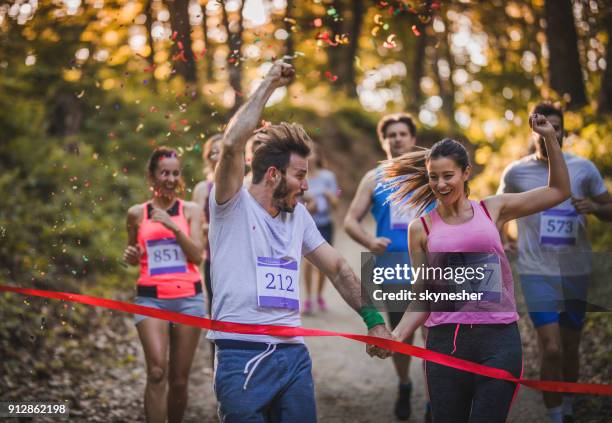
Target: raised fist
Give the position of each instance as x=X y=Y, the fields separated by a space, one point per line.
x=280 y=74
x=540 y=125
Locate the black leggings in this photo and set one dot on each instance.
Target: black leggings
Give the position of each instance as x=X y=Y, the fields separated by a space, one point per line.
x=457 y=396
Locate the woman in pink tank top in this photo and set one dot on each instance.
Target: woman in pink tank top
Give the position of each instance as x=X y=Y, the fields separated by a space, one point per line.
x=165 y=240
x=483 y=331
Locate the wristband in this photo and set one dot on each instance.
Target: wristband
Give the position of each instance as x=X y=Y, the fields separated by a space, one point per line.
x=371 y=316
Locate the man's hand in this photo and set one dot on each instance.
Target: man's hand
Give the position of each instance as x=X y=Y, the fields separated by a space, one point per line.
x=511 y=246
x=132 y=254
x=280 y=74
x=379 y=331
x=584 y=205
x=379 y=245
x=540 y=125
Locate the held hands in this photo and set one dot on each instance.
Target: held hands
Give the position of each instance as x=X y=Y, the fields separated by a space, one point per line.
x=379 y=245
x=541 y=126
x=163 y=217
x=379 y=331
x=280 y=74
x=131 y=255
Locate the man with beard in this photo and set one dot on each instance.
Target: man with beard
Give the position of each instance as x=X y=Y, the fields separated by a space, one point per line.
x=553 y=258
x=257 y=237
x=397 y=136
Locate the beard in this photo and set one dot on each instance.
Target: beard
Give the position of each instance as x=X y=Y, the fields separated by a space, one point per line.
x=542 y=144
x=281 y=197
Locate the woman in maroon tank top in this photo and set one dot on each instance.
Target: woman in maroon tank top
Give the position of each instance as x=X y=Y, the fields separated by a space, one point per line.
x=165 y=240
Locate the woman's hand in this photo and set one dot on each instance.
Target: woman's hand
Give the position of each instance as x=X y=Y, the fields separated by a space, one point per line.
x=132 y=254
x=163 y=217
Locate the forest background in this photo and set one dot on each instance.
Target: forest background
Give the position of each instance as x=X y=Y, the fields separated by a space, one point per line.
x=89 y=87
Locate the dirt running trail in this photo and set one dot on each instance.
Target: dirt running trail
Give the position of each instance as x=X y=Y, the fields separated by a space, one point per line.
x=350 y=386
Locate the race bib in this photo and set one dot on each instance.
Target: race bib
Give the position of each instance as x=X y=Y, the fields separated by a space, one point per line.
x=480 y=273
x=278 y=283
x=558 y=227
x=165 y=256
x=400 y=219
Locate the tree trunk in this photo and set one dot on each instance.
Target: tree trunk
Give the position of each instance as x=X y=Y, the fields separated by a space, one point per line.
x=208 y=54
x=336 y=54
x=182 y=52
x=349 y=83
x=66 y=114
x=605 y=94
x=151 y=57
x=418 y=71
x=564 y=64
x=289 y=49
x=234 y=64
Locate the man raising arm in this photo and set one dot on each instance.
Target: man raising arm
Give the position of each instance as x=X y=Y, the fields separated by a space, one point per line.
x=258 y=236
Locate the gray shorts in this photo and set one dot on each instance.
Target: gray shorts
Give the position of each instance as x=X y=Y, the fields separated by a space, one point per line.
x=193 y=306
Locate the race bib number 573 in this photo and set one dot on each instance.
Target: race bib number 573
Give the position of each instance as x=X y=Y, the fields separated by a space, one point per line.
x=558 y=227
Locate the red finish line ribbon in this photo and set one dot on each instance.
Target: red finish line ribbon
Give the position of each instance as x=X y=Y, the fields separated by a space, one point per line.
x=398 y=347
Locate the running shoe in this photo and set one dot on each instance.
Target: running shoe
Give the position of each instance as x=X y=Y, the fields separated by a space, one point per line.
x=322 y=305
x=402 y=405
x=307 y=307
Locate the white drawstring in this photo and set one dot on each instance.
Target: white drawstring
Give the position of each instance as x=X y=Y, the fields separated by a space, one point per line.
x=257 y=359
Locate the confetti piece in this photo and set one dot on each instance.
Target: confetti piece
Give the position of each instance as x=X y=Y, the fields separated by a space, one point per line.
x=375 y=31
x=330 y=76
x=416 y=31
x=81 y=94
x=378 y=19
x=318 y=22
x=390 y=43
x=358 y=63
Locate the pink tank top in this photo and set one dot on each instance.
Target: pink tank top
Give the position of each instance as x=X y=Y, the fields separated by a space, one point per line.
x=476 y=235
x=163 y=263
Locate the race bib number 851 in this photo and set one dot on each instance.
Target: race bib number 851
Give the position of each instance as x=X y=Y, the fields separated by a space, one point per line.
x=165 y=256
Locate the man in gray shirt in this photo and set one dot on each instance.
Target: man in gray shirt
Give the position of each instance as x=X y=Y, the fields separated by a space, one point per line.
x=553 y=258
x=258 y=236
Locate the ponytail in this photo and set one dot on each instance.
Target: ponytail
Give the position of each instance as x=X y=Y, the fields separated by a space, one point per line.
x=407 y=174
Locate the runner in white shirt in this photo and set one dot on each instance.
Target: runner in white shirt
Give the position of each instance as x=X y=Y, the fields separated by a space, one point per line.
x=257 y=237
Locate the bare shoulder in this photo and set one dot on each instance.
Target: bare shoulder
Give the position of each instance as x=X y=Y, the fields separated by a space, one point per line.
x=416 y=227
x=367 y=183
x=135 y=213
x=191 y=208
x=494 y=205
x=369 y=179
x=200 y=188
x=416 y=234
x=200 y=191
